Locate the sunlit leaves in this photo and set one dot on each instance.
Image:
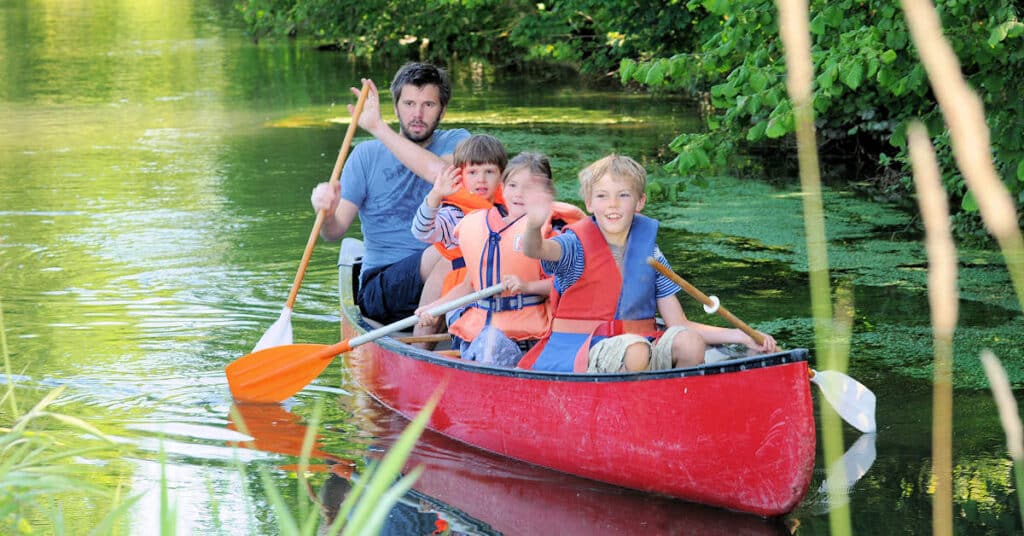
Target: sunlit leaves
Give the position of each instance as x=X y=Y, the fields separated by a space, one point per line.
x=1008 y=29
x=868 y=81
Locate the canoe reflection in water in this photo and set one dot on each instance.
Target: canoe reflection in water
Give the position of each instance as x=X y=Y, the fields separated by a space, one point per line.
x=464 y=490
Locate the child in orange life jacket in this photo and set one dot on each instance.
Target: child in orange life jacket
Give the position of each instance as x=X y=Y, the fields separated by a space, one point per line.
x=495 y=330
x=608 y=294
x=472 y=183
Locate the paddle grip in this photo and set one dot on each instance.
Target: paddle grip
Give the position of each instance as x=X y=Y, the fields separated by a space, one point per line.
x=701 y=297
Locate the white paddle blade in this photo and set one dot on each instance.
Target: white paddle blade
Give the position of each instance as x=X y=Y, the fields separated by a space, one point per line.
x=851 y=400
x=855 y=462
x=279 y=334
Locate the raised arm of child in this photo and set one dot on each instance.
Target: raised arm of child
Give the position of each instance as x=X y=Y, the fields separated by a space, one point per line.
x=433 y=223
x=537 y=197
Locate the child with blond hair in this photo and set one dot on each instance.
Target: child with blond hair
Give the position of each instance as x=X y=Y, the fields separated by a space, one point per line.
x=609 y=296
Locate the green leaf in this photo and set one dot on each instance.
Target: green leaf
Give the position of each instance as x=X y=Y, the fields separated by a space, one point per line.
x=899 y=138
x=969 y=204
x=756 y=132
x=824 y=80
x=626 y=69
x=1020 y=171
x=888 y=56
x=700 y=156
x=852 y=75
x=818 y=25
x=775 y=128
x=758 y=81
x=873 y=65
x=657 y=73
x=1001 y=32
x=834 y=16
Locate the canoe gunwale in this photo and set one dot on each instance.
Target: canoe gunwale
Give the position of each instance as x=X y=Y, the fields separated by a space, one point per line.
x=348 y=270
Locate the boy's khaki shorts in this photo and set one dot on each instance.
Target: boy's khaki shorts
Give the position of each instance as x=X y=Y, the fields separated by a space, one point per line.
x=608 y=354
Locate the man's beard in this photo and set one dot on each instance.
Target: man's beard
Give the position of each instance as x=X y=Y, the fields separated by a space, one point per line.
x=419 y=138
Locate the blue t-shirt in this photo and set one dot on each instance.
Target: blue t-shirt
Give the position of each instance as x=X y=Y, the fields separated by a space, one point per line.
x=388 y=194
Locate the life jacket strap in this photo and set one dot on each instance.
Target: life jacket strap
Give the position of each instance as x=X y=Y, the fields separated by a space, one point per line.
x=604 y=328
x=497 y=304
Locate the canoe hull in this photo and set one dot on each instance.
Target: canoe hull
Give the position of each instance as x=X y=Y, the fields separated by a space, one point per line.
x=738 y=435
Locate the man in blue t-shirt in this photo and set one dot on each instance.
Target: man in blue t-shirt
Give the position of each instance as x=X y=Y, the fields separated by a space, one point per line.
x=399 y=272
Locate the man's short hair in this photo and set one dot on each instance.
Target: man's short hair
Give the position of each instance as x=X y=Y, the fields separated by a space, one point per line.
x=419 y=75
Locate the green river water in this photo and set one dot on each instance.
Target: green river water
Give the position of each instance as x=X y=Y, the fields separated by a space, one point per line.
x=155 y=172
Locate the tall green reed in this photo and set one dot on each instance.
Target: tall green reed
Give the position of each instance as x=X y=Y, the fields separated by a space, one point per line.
x=970 y=139
x=969 y=134
x=369 y=500
x=831 y=336
x=942 y=296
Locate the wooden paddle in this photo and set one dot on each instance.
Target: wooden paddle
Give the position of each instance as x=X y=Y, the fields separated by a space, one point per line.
x=281 y=331
x=274 y=374
x=854 y=402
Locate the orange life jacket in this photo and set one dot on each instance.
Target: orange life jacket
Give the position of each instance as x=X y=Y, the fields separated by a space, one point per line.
x=467 y=202
x=519 y=316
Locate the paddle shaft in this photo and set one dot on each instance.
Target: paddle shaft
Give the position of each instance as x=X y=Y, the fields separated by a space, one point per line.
x=321 y=215
x=724 y=313
x=407 y=322
x=701 y=297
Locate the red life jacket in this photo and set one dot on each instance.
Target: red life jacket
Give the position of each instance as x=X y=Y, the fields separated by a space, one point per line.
x=601 y=303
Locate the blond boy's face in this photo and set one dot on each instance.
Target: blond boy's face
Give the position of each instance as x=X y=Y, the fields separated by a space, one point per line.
x=481 y=179
x=614 y=202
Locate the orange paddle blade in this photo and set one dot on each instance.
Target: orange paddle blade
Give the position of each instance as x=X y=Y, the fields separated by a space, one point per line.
x=276 y=373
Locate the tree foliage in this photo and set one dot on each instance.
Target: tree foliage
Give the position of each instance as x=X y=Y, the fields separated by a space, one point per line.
x=592 y=35
x=869 y=81
x=868 y=84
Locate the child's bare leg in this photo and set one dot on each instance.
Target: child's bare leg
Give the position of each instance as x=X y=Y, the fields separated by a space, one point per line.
x=637 y=358
x=688 y=349
x=433 y=269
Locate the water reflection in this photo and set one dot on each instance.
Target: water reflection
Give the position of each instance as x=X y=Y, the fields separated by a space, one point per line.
x=155 y=171
x=474 y=492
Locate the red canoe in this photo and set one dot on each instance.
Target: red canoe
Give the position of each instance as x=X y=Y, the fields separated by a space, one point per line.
x=481 y=493
x=738 y=434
